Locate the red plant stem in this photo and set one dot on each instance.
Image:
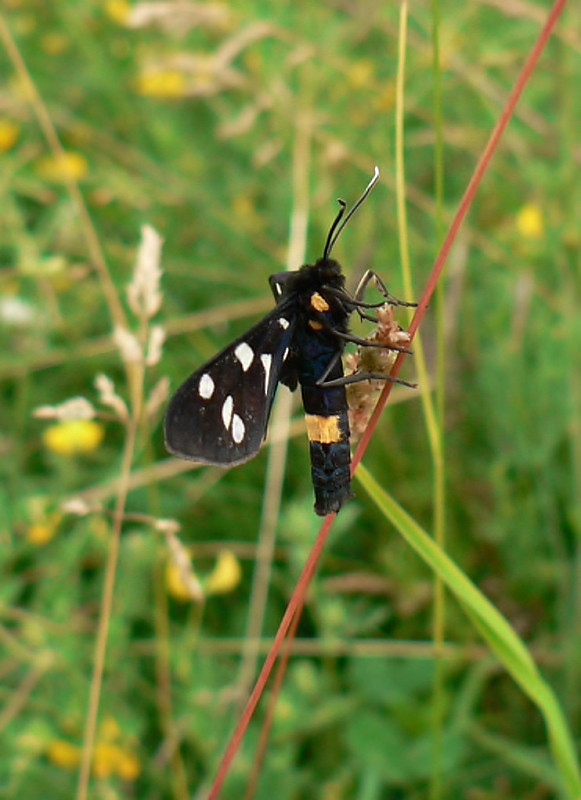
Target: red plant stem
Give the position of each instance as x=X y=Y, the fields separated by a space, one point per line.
x=272 y=701
x=465 y=204
x=297 y=598
x=294 y=606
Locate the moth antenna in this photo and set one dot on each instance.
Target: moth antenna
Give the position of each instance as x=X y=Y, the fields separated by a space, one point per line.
x=340 y=221
x=336 y=221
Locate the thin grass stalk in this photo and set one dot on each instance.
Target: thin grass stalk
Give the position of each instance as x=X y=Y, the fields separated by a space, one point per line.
x=163 y=675
x=439 y=496
x=106 y=605
x=464 y=205
x=431 y=413
x=49 y=131
x=135 y=382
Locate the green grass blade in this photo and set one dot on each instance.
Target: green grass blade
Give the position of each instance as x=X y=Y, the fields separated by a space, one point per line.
x=495 y=629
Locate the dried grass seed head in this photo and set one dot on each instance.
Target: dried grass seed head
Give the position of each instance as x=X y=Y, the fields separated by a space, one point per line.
x=143 y=293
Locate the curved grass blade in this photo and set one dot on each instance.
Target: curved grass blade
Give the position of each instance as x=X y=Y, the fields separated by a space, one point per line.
x=494 y=628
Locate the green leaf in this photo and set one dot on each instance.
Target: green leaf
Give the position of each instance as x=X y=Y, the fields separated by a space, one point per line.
x=378 y=745
x=391 y=682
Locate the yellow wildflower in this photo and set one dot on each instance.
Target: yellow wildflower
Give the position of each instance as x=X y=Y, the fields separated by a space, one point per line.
x=182 y=582
x=42 y=531
x=63 y=754
x=9 y=133
x=164 y=84
x=106 y=758
x=529 y=222
x=111 y=759
x=57 y=169
x=117 y=10
x=128 y=766
x=225 y=576
x=175 y=583
x=73 y=436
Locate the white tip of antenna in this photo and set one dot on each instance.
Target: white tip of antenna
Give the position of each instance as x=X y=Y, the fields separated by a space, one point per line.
x=374 y=180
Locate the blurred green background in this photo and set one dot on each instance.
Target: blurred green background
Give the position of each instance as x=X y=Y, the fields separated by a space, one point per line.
x=212 y=122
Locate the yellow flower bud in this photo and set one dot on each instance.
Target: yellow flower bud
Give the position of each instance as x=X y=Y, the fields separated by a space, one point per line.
x=57 y=168
x=72 y=437
x=63 y=754
x=165 y=84
x=529 y=222
x=225 y=576
x=9 y=133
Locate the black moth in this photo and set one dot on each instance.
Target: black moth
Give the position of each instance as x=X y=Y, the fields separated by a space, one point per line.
x=219 y=415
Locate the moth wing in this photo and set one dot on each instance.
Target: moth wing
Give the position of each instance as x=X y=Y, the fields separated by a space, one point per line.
x=220 y=413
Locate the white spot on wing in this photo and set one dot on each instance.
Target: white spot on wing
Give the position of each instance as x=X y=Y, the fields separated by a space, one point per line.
x=266 y=359
x=284 y=323
x=206 y=386
x=278 y=288
x=245 y=355
x=285 y=354
x=227 y=411
x=238 y=429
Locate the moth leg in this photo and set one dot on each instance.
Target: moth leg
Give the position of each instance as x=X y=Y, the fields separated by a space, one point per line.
x=349 y=337
x=358 y=377
x=368 y=317
x=366 y=279
x=346 y=298
x=328 y=368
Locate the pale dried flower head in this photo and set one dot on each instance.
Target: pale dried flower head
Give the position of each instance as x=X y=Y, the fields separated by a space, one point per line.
x=361 y=397
x=202 y=74
x=79 y=507
x=205 y=74
x=129 y=347
x=178 y=17
x=169 y=527
x=16 y=312
x=155 y=345
x=109 y=397
x=143 y=293
x=75 y=408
